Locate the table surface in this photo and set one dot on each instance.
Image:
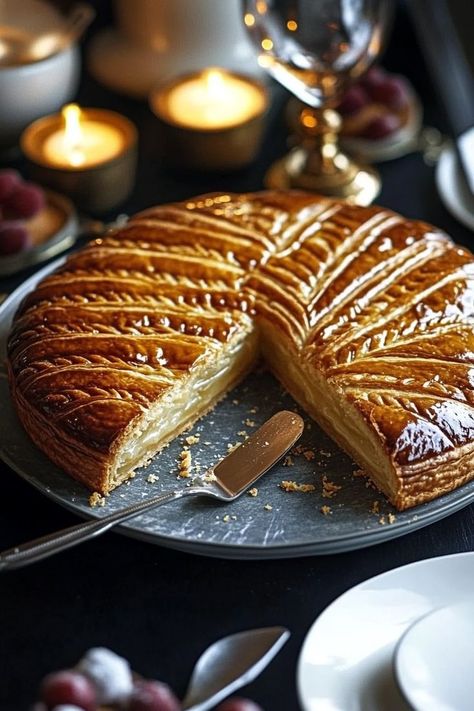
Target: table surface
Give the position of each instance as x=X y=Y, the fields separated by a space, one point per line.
x=158 y=607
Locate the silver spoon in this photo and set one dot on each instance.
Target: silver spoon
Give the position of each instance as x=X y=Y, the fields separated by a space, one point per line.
x=231 y=663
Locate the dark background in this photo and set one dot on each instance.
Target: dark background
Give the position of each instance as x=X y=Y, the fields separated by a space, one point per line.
x=161 y=608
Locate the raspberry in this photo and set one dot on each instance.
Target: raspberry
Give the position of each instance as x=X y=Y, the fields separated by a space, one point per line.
x=374 y=76
x=9 y=181
x=381 y=127
x=153 y=696
x=68 y=688
x=353 y=100
x=14 y=237
x=25 y=201
x=391 y=92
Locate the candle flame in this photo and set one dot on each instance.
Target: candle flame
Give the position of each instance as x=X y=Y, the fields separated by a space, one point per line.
x=73 y=138
x=215 y=83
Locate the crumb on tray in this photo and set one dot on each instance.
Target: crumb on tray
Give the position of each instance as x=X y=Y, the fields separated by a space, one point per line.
x=96 y=499
x=293 y=486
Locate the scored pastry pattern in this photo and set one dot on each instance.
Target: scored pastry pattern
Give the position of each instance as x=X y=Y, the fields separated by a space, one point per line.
x=379 y=305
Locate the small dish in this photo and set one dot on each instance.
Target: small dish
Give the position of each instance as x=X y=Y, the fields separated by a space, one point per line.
x=404 y=140
x=452 y=187
x=434 y=659
x=53 y=230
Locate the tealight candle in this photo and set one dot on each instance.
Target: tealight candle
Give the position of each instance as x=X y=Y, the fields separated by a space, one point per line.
x=214 y=118
x=82 y=143
x=89 y=154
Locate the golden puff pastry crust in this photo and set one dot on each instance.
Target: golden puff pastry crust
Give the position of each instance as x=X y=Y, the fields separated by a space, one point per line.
x=366 y=318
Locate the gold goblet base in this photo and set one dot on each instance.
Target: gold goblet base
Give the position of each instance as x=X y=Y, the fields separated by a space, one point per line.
x=359 y=184
x=317 y=165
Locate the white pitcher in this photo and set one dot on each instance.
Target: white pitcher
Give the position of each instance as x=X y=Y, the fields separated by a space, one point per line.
x=160 y=39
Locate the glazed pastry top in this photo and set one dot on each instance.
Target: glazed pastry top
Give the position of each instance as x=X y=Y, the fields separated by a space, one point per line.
x=381 y=305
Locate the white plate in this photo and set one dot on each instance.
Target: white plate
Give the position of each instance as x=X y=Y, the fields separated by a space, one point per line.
x=452 y=187
x=434 y=659
x=346 y=663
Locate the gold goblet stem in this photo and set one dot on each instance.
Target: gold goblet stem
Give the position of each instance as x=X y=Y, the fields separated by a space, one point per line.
x=318 y=165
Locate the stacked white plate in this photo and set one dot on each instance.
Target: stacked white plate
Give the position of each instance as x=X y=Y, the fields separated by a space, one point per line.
x=352 y=658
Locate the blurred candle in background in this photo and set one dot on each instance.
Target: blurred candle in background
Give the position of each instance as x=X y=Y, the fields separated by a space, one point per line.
x=210 y=100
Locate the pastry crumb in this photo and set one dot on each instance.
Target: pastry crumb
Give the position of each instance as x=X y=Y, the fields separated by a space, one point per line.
x=293 y=486
x=96 y=499
x=249 y=423
x=209 y=478
x=299 y=449
x=268 y=507
x=185 y=464
x=235 y=402
x=226 y=518
x=326 y=510
x=325 y=453
x=358 y=472
x=253 y=491
x=253 y=410
x=288 y=461
x=330 y=489
x=309 y=455
x=242 y=433
x=375 y=509
x=382 y=521
x=232 y=447
x=192 y=439
x=151 y=478
x=391 y=518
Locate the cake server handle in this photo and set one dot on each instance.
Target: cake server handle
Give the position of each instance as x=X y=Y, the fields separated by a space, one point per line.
x=52 y=543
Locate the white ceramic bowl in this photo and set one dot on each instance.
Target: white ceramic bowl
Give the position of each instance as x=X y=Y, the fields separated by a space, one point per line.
x=29 y=91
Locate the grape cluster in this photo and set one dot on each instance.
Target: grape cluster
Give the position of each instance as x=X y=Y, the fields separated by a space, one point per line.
x=102 y=678
x=377 y=86
x=19 y=201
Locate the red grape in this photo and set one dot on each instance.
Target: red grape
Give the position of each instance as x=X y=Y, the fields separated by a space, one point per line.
x=373 y=77
x=153 y=696
x=392 y=92
x=68 y=687
x=381 y=127
x=353 y=100
x=25 y=201
x=238 y=704
x=14 y=237
x=9 y=180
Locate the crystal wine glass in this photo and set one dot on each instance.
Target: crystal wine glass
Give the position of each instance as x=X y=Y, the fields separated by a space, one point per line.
x=316 y=48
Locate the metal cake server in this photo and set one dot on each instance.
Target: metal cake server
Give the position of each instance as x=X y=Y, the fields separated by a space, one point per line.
x=232 y=476
x=231 y=663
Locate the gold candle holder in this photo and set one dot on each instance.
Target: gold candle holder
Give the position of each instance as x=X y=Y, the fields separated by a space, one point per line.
x=92 y=159
x=213 y=120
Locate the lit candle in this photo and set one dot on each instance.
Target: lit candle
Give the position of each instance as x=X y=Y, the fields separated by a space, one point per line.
x=88 y=154
x=214 y=119
x=82 y=142
x=214 y=99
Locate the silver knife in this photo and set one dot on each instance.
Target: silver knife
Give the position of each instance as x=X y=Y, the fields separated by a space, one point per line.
x=232 y=476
